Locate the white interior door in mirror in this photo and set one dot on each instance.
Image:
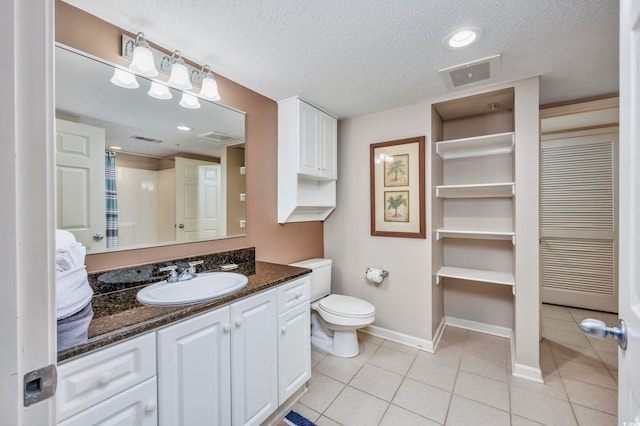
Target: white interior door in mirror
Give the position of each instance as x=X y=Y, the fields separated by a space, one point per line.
x=80 y=182
x=198 y=200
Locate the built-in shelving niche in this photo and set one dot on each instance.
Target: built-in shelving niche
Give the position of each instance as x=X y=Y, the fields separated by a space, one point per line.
x=473 y=196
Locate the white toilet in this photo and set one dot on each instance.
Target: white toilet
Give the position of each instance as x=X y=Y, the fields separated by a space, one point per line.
x=334 y=318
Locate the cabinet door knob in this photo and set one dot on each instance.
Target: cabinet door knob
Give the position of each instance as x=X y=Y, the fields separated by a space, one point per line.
x=238 y=323
x=284 y=330
x=150 y=407
x=298 y=295
x=226 y=328
x=105 y=378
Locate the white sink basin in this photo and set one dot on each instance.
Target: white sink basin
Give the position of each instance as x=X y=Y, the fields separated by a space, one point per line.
x=206 y=286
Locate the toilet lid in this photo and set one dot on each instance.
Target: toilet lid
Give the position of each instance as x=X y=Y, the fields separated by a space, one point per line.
x=338 y=304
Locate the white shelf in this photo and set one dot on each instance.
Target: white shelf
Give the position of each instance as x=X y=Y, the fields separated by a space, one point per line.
x=475 y=234
x=504 y=278
x=501 y=143
x=481 y=190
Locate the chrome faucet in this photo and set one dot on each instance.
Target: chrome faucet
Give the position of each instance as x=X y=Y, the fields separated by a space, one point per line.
x=190 y=272
x=173 y=275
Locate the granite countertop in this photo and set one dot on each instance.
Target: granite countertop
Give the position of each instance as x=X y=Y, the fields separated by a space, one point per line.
x=118 y=315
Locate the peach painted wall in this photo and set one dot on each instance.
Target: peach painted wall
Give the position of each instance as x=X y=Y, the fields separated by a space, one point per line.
x=273 y=242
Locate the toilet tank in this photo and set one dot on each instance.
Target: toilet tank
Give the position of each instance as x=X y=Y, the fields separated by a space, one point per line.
x=320 y=277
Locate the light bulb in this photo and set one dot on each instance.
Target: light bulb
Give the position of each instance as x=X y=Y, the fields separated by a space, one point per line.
x=189 y=100
x=159 y=91
x=179 y=77
x=124 y=79
x=209 y=90
x=143 y=63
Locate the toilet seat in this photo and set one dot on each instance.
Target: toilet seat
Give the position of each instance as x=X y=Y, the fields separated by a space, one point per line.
x=340 y=311
x=347 y=306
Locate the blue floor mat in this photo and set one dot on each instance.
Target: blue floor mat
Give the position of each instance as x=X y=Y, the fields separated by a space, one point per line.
x=298 y=420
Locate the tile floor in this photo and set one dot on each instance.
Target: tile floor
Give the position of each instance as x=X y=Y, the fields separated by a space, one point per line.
x=468 y=381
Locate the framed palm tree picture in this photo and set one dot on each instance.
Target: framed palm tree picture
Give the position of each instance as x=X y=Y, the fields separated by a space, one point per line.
x=397 y=188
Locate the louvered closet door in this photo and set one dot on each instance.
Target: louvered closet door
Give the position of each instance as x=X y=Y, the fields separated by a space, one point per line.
x=578 y=221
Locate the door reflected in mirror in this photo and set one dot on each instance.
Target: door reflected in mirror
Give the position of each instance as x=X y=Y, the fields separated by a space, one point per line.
x=134 y=171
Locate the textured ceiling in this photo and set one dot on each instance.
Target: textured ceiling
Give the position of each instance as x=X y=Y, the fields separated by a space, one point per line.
x=355 y=57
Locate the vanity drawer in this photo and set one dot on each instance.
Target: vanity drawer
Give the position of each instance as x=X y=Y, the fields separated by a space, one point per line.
x=135 y=406
x=292 y=294
x=91 y=379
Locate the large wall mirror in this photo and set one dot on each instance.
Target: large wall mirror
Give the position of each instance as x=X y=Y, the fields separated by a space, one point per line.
x=136 y=171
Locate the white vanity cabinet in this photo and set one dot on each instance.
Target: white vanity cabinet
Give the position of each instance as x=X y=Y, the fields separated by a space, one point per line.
x=307 y=161
x=194 y=376
x=254 y=364
x=294 y=344
x=230 y=366
x=114 y=385
x=220 y=368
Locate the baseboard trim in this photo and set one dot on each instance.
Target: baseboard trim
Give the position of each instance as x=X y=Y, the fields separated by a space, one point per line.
x=438 y=334
x=397 y=337
x=518 y=370
x=527 y=372
x=479 y=326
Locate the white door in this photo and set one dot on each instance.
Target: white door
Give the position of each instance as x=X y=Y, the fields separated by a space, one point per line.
x=578 y=229
x=629 y=254
x=80 y=182
x=254 y=365
x=194 y=371
x=198 y=199
x=308 y=146
x=294 y=350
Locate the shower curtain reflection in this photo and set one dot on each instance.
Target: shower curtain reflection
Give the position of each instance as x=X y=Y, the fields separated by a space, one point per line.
x=111 y=199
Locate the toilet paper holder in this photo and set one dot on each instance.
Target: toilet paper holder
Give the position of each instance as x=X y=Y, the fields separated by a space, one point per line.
x=380 y=272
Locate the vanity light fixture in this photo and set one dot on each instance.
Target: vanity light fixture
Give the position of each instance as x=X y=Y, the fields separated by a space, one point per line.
x=124 y=79
x=143 y=62
x=209 y=86
x=115 y=148
x=462 y=38
x=159 y=91
x=179 y=74
x=189 y=100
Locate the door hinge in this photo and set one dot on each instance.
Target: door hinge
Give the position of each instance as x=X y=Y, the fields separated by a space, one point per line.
x=40 y=384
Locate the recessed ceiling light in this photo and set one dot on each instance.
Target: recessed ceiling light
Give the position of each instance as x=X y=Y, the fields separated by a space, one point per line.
x=462 y=38
x=184 y=128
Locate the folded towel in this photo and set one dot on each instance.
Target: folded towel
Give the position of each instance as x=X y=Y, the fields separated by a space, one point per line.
x=70 y=257
x=64 y=238
x=73 y=291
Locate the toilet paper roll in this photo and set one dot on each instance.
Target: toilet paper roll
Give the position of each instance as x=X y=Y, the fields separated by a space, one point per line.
x=376 y=275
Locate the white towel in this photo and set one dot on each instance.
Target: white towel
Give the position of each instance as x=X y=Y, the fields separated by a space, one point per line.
x=64 y=238
x=73 y=291
x=70 y=257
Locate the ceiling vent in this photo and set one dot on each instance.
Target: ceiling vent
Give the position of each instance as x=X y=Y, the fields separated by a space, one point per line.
x=217 y=137
x=471 y=72
x=145 y=139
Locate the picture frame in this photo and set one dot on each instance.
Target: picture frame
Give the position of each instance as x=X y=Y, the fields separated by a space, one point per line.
x=397 y=188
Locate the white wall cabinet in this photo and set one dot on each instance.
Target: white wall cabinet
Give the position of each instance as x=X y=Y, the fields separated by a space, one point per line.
x=294 y=337
x=317 y=143
x=307 y=161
